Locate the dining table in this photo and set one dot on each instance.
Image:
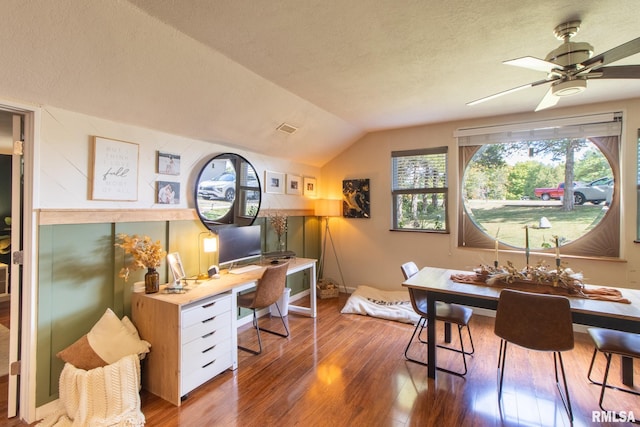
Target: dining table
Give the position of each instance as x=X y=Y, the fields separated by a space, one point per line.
x=439 y=286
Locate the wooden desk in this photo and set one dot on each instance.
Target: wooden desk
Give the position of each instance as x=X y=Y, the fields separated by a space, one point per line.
x=439 y=286
x=193 y=335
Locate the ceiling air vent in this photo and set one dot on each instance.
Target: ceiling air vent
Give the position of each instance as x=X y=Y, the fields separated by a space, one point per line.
x=286 y=128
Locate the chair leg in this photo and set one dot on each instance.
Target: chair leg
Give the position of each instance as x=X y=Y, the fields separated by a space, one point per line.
x=502 y=358
x=603 y=384
x=565 y=398
x=419 y=327
x=418 y=330
x=280 y=334
x=257 y=328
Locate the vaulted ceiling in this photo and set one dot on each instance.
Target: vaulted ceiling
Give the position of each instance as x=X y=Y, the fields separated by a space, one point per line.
x=232 y=71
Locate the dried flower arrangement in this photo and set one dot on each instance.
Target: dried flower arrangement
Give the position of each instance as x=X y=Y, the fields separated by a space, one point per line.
x=279 y=223
x=145 y=252
x=539 y=274
x=539 y=278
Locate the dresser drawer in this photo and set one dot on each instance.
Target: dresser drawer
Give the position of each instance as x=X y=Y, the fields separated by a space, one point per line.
x=199 y=354
x=219 y=323
x=205 y=309
x=204 y=372
x=203 y=342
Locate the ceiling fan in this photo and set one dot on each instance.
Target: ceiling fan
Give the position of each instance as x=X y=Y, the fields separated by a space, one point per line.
x=570 y=66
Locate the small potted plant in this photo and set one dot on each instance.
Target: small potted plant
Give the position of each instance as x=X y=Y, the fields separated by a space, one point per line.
x=145 y=253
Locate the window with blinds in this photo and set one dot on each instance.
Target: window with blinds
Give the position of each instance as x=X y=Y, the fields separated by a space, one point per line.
x=419 y=190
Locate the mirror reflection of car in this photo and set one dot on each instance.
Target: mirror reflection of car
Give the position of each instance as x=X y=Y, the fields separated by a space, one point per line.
x=596 y=192
x=220 y=188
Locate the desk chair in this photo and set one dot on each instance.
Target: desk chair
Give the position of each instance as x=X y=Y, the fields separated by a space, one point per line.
x=449 y=313
x=611 y=342
x=537 y=322
x=269 y=289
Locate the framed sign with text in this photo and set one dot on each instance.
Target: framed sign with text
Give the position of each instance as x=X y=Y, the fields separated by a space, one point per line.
x=115 y=170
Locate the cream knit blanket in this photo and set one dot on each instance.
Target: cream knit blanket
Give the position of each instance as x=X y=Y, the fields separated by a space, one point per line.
x=107 y=396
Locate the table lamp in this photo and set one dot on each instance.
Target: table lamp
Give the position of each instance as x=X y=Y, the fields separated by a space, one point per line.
x=209 y=245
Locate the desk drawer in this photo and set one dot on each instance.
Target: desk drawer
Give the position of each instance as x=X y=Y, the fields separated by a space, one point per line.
x=216 y=325
x=200 y=353
x=205 y=309
x=209 y=367
x=202 y=342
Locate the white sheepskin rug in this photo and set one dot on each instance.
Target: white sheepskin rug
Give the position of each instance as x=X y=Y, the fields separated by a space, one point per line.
x=389 y=305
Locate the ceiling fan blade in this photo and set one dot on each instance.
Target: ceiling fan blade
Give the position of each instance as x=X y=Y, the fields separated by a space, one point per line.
x=617 y=53
x=533 y=63
x=549 y=100
x=505 y=92
x=620 y=72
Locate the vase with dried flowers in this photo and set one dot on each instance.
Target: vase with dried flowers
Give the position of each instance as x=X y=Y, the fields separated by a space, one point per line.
x=279 y=223
x=145 y=253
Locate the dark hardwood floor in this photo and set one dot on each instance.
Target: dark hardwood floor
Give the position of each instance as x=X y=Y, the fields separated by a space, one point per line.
x=349 y=370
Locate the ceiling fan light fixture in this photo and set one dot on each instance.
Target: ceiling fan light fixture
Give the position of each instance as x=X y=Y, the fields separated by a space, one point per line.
x=569 y=87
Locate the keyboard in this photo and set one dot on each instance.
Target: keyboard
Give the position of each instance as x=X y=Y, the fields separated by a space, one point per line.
x=245 y=269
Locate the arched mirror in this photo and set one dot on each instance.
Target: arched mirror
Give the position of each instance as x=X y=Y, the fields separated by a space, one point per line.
x=227 y=191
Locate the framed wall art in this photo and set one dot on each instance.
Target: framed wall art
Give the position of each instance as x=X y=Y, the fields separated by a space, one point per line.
x=167 y=193
x=294 y=184
x=355 y=198
x=168 y=164
x=114 y=170
x=310 y=187
x=274 y=182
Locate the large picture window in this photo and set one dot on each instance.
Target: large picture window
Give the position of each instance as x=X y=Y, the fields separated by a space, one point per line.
x=555 y=179
x=419 y=190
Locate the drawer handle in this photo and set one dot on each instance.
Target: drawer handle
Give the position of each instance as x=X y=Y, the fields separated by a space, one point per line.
x=208 y=349
x=209 y=319
x=209 y=334
x=209 y=305
x=210 y=363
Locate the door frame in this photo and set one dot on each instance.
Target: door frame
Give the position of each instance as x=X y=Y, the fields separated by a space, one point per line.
x=25 y=308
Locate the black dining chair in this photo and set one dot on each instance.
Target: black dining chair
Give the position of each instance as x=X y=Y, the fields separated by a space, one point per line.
x=537 y=322
x=449 y=313
x=610 y=342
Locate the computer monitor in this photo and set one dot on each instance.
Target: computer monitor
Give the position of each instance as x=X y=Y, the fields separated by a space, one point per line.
x=236 y=244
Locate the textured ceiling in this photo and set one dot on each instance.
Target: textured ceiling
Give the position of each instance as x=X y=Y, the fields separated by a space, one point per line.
x=233 y=71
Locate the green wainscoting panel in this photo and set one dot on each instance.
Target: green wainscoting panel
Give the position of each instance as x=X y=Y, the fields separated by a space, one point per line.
x=76 y=285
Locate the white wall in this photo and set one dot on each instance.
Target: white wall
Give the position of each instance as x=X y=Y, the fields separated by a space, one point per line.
x=371 y=254
x=64 y=158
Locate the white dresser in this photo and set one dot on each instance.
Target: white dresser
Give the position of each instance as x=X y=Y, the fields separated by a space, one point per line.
x=190 y=343
x=206 y=347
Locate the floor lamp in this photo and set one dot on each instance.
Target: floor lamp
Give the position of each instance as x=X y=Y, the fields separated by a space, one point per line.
x=327 y=208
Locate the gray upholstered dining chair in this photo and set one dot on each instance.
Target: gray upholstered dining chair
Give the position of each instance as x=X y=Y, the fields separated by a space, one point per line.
x=537 y=322
x=449 y=313
x=269 y=289
x=610 y=342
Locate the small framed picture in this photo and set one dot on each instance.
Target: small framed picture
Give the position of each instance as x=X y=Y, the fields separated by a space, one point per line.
x=168 y=164
x=294 y=184
x=310 y=187
x=274 y=182
x=168 y=193
x=177 y=270
x=114 y=172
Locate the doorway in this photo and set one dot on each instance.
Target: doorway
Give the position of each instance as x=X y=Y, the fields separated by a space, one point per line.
x=6 y=149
